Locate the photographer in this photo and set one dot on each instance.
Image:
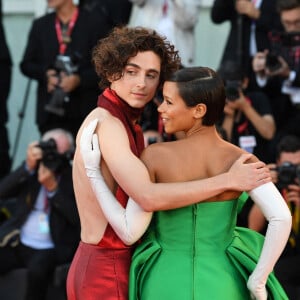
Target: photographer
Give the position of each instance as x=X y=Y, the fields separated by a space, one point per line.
x=248 y=120
x=286 y=175
x=43 y=230
x=278 y=71
x=5 y=82
x=249 y=22
x=58 y=56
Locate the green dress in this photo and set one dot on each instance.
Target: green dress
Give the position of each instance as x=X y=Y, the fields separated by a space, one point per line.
x=197 y=252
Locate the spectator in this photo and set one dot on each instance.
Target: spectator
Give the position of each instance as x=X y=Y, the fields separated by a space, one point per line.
x=43 y=231
x=286 y=175
x=58 y=56
x=250 y=24
x=116 y=11
x=5 y=80
x=175 y=19
x=278 y=75
x=248 y=119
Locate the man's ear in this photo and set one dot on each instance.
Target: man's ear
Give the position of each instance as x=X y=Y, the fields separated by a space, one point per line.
x=200 y=111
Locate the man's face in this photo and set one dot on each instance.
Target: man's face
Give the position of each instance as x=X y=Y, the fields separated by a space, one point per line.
x=292 y=157
x=140 y=79
x=55 y=4
x=290 y=20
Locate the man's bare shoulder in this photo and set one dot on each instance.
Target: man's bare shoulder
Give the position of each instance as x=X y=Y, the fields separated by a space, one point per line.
x=102 y=115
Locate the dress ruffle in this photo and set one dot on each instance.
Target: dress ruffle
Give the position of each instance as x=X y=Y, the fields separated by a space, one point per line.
x=144 y=257
x=244 y=252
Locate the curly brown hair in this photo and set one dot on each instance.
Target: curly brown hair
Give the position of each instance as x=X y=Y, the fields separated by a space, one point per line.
x=112 y=53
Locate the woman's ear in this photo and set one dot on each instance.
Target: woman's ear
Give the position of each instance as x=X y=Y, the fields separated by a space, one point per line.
x=200 y=111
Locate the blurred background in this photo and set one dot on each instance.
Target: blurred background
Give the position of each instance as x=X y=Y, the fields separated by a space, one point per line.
x=17 y=19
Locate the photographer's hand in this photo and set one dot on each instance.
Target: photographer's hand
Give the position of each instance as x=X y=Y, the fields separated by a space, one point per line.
x=273 y=172
x=69 y=83
x=52 y=80
x=283 y=71
x=293 y=194
x=34 y=155
x=246 y=7
x=239 y=104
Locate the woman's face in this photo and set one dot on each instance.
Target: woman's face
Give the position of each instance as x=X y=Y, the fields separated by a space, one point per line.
x=140 y=79
x=176 y=116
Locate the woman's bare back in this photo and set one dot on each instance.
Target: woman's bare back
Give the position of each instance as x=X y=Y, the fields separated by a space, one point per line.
x=199 y=156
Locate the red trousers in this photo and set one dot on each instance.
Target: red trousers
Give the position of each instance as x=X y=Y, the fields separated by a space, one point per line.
x=99 y=273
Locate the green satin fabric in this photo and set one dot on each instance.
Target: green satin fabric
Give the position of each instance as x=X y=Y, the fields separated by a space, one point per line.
x=196 y=253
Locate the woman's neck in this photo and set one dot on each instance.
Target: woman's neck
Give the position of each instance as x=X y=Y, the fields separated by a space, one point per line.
x=209 y=131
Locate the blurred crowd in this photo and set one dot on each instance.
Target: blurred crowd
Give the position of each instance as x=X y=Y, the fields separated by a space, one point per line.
x=260 y=66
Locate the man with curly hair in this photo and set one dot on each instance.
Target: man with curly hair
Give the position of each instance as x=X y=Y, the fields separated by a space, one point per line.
x=132 y=64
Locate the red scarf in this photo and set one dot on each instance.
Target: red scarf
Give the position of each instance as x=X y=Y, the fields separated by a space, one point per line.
x=127 y=115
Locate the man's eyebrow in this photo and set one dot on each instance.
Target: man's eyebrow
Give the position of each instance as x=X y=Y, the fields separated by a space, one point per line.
x=137 y=66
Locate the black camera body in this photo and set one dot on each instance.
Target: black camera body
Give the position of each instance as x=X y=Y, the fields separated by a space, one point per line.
x=233 y=76
x=51 y=158
x=282 y=44
x=232 y=89
x=272 y=62
x=287 y=173
x=68 y=65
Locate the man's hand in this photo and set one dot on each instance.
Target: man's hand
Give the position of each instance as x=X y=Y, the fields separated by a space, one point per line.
x=247 y=176
x=52 y=80
x=69 y=83
x=246 y=7
x=283 y=71
x=239 y=104
x=273 y=172
x=34 y=155
x=293 y=195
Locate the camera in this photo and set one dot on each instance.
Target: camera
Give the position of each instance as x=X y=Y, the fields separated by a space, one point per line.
x=232 y=89
x=51 y=158
x=272 y=62
x=68 y=65
x=233 y=75
x=282 y=44
x=287 y=173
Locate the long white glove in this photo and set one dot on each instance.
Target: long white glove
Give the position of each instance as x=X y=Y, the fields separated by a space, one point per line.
x=129 y=223
x=276 y=211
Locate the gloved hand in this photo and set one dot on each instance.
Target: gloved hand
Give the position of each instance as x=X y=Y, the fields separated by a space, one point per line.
x=257 y=289
x=129 y=223
x=276 y=211
x=90 y=150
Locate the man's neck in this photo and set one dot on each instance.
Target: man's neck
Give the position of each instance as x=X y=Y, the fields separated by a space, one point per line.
x=65 y=12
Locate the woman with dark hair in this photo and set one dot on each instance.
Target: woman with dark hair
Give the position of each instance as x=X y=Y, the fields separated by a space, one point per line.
x=194 y=252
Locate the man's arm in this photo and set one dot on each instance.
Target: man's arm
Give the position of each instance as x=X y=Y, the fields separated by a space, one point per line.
x=133 y=176
x=128 y=222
